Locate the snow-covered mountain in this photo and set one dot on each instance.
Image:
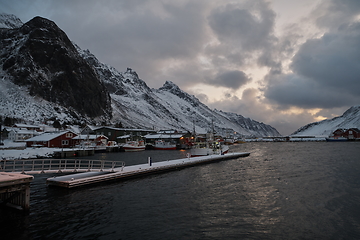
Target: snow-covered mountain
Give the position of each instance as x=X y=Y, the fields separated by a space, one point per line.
x=350 y=119
x=10 y=21
x=167 y=107
x=55 y=79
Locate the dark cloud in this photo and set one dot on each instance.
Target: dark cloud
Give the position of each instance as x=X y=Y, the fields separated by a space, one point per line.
x=230 y=79
x=298 y=91
x=244 y=30
x=251 y=28
x=333 y=13
x=144 y=35
x=325 y=74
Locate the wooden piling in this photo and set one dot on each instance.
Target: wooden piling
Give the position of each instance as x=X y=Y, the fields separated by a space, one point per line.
x=15 y=190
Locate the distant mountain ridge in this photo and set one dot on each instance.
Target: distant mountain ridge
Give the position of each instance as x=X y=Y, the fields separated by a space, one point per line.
x=350 y=119
x=44 y=75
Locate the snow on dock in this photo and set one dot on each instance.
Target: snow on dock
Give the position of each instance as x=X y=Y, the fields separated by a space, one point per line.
x=81 y=179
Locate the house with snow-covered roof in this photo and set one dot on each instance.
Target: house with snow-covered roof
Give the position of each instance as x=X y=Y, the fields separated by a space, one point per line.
x=21 y=134
x=182 y=139
x=52 y=140
x=352 y=134
x=27 y=127
x=89 y=140
x=338 y=133
x=113 y=133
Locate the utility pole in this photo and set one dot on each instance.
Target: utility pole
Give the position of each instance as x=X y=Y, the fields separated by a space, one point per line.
x=1 y=143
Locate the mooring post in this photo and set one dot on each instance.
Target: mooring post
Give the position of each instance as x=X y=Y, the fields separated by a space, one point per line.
x=149 y=160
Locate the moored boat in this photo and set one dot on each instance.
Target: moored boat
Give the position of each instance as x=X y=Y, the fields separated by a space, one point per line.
x=134 y=146
x=209 y=149
x=162 y=145
x=336 y=139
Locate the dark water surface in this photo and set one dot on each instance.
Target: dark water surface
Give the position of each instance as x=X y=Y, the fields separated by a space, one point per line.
x=281 y=191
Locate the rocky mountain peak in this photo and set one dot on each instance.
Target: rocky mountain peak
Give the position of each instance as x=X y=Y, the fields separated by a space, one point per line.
x=10 y=21
x=40 y=56
x=170 y=86
x=174 y=89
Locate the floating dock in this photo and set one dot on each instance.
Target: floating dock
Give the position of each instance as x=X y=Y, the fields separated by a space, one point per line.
x=81 y=179
x=15 y=190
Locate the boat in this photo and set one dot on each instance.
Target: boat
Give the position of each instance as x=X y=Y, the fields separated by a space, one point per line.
x=204 y=149
x=240 y=140
x=134 y=146
x=336 y=139
x=211 y=146
x=229 y=141
x=162 y=145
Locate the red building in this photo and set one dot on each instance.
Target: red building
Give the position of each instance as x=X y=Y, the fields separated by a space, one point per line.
x=89 y=140
x=352 y=134
x=52 y=139
x=338 y=133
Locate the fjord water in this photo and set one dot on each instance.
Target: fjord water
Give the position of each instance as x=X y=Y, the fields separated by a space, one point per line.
x=304 y=190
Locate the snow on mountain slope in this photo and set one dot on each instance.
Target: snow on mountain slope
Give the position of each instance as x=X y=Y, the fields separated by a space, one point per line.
x=136 y=105
x=9 y=21
x=40 y=56
x=350 y=119
x=16 y=102
x=35 y=86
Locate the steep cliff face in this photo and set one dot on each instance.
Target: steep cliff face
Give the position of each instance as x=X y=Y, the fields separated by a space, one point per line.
x=40 y=56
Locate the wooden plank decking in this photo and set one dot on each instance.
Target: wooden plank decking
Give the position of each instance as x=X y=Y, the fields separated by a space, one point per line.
x=80 y=179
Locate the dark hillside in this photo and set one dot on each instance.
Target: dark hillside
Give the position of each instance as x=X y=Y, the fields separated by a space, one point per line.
x=40 y=56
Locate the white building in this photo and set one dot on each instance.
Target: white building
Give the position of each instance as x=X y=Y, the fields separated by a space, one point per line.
x=21 y=134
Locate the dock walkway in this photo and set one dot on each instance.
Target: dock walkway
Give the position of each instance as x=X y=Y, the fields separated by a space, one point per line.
x=15 y=190
x=81 y=179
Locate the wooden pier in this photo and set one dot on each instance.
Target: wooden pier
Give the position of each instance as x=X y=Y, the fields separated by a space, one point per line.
x=66 y=153
x=15 y=190
x=81 y=179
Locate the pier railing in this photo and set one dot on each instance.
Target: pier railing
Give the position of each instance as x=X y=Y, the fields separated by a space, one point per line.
x=37 y=166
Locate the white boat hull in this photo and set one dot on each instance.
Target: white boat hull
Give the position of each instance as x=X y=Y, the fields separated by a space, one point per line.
x=208 y=151
x=134 y=146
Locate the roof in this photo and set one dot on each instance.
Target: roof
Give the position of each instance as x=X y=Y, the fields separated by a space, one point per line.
x=124 y=136
x=26 y=126
x=46 y=136
x=126 y=129
x=164 y=136
x=353 y=129
x=89 y=137
x=24 y=131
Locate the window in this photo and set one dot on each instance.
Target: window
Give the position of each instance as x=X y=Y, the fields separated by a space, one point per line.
x=69 y=135
x=109 y=133
x=65 y=142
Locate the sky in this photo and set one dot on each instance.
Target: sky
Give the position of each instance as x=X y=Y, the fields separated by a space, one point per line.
x=286 y=63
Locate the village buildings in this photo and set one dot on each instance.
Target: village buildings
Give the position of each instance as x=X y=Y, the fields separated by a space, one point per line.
x=52 y=140
x=349 y=134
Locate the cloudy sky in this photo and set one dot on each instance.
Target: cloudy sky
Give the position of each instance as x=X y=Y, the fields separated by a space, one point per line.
x=282 y=62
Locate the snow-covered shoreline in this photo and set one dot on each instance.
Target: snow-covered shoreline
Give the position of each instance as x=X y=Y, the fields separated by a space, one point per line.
x=17 y=150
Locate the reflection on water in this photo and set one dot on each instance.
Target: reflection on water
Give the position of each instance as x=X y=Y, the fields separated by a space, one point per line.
x=281 y=191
